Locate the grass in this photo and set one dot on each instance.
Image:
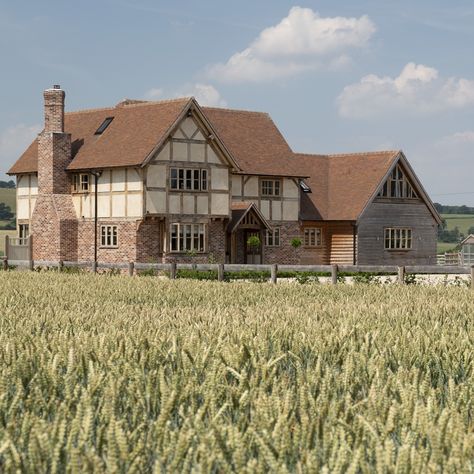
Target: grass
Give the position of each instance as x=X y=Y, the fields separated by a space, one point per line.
x=118 y=374
x=8 y=196
x=443 y=247
x=462 y=221
x=11 y=233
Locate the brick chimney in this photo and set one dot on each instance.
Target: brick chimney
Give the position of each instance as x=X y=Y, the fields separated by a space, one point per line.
x=54 y=221
x=54 y=146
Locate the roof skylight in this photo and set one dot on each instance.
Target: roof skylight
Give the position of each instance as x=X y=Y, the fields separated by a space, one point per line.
x=304 y=187
x=104 y=126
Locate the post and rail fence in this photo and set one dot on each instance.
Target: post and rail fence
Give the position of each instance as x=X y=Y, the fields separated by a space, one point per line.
x=333 y=271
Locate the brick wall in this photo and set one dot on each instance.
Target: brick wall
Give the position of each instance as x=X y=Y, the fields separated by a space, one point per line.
x=284 y=253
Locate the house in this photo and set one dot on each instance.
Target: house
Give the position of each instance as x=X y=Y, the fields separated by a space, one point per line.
x=171 y=180
x=466 y=254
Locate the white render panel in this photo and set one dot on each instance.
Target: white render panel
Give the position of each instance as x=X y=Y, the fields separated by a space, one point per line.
x=33 y=184
x=22 y=186
x=32 y=205
x=164 y=154
x=180 y=151
x=211 y=156
x=179 y=134
x=76 y=200
x=290 y=189
x=198 y=152
x=188 y=126
x=265 y=208
x=202 y=205
x=103 y=182
x=219 y=204
x=175 y=204
x=251 y=187
x=236 y=185
x=134 y=180
x=290 y=210
x=220 y=178
x=156 y=202
x=199 y=136
x=276 y=210
x=118 y=205
x=134 y=205
x=188 y=204
x=103 y=206
x=86 y=206
x=156 y=176
x=23 y=208
x=118 y=180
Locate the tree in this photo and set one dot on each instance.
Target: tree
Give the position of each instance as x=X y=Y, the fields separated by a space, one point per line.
x=7 y=184
x=5 y=212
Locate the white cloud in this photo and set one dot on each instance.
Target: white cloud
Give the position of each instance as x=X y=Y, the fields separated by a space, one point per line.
x=154 y=94
x=14 y=141
x=205 y=94
x=302 y=41
x=418 y=89
x=459 y=138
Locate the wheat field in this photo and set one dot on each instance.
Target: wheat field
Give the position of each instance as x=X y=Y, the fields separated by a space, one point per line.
x=117 y=374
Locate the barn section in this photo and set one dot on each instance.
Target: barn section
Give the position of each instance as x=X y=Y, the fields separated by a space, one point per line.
x=360 y=218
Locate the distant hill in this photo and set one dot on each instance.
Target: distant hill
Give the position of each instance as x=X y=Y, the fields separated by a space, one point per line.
x=442 y=209
x=8 y=196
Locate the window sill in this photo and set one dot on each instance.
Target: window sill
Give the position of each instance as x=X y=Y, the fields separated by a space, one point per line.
x=109 y=247
x=185 y=253
x=398 y=250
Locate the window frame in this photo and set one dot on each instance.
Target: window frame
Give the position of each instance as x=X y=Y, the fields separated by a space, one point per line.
x=270 y=187
x=23 y=232
x=397 y=186
x=179 y=178
x=402 y=235
x=108 y=231
x=318 y=237
x=273 y=237
x=80 y=184
x=187 y=232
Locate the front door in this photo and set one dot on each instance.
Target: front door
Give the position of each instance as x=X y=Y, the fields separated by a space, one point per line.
x=253 y=253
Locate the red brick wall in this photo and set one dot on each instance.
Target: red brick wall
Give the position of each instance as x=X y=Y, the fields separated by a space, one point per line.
x=284 y=253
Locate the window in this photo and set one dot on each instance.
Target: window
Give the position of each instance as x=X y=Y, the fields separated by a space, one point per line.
x=270 y=187
x=23 y=232
x=80 y=183
x=188 y=179
x=272 y=237
x=104 y=126
x=397 y=238
x=397 y=186
x=304 y=187
x=108 y=236
x=312 y=237
x=188 y=237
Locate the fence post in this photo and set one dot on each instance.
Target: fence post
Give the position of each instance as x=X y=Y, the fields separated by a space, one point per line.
x=60 y=266
x=220 y=272
x=334 y=274
x=94 y=267
x=173 y=270
x=7 y=243
x=274 y=271
x=131 y=267
x=31 y=265
x=472 y=277
x=401 y=276
x=5 y=264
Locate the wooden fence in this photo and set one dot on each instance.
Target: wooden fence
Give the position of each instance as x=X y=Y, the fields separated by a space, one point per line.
x=172 y=268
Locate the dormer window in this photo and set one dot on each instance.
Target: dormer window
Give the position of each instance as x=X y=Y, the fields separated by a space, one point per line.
x=104 y=126
x=304 y=187
x=80 y=183
x=397 y=186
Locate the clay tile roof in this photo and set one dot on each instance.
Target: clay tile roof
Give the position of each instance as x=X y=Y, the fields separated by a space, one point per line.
x=342 y=184
x=254 y=141
x=135 y=130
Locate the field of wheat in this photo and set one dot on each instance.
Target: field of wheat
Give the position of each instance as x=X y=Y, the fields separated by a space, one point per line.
x=117 y=374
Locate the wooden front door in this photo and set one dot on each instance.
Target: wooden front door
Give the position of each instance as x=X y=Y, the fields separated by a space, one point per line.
x=252 y=254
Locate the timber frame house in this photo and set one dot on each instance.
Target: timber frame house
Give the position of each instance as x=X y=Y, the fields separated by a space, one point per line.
x=174 y=181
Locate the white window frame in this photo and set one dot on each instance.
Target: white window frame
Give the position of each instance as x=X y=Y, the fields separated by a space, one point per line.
x=272 y=237
x=108 y=236
x=81 y=183
x=397 y=186
x=398 y=238
x=23 y=232
x=187 y=237
x=270 y=187
x=313 y=237
x=188 y=179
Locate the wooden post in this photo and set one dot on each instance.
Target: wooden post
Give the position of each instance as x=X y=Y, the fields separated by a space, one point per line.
x=173 y=270
x=94 y=266
x=131 y=267
x=334 y=274
x=220 y=272
x=274 y=271
x=60 y=266
x=31 y=265
x=472 y=277
x=401 y=276
x=7 y=243
x=5 y=264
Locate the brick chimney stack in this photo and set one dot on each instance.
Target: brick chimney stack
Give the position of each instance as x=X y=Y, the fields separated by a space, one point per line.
x=54 y=146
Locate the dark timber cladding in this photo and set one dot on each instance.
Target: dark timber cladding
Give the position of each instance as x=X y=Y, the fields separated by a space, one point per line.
x=382 y=214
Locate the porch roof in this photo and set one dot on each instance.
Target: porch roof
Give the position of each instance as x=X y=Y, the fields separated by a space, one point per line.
x=240 y=210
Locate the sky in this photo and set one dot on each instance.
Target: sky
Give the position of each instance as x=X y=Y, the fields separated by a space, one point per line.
x=336 y=76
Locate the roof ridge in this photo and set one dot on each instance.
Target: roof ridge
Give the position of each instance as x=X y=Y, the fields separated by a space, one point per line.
x=323 y=155
x=364 y=153
x=84 y=111
x=226 y=109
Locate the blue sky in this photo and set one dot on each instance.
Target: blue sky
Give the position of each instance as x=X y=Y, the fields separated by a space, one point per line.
x=336 y=76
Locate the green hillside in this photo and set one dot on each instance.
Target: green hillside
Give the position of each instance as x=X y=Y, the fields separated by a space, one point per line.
x=8 y=197
x=461 y=221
